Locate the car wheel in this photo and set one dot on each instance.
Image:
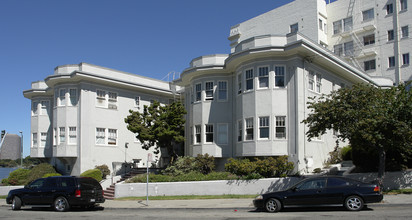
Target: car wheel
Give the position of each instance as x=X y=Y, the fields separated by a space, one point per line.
x=60 y=204
x=16 y=203
x=353 y=203
x=273 y=205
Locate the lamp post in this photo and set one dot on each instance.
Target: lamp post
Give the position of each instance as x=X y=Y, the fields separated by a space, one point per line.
x=126 y=145
x=21 y=148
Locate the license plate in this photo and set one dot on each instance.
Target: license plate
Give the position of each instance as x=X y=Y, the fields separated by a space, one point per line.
x=92 y=200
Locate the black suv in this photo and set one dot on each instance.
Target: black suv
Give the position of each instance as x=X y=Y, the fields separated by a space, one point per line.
x=61 y=193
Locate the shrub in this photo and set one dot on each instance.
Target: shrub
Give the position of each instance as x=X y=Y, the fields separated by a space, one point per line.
x=346 y=153
x=93 y=173
x=266 y=167
x=39 y=171
x=104 y=169
x=240 y=167
x=51 y=174
x=17 y=177
x=204 y=163
x=181 y=166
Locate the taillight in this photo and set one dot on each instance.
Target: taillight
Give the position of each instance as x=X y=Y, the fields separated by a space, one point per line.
x=377 y=189
x=77 y=193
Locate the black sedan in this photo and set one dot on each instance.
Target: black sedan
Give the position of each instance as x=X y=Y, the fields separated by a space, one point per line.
x=325 y=190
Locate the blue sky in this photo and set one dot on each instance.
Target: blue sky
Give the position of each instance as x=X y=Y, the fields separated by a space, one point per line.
x=149 y=38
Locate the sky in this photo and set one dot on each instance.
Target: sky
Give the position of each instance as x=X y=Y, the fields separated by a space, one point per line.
x=146 y=37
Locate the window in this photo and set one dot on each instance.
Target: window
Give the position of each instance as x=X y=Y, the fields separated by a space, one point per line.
x=209 y=133
x=112 y=138
x=263 y=127
x=198 y=92
x=347 y=24
x=404 y=4
x=294 y=28
x=72 y=135
x=311 y=81
x=239 y=130
x=34 y=140
x=35 y=108
x=43 y=139
x=405 y=58
x=368 y=15
x=222 y=133
x=337 y=27
x=348 y=48
x=281 y=127
x=249 y=79
x=112 y=100
x=368 y=40
x=209 y=90
x=101 y=98
x=263 y=77
x=318 y=83
x=338 y=49
x=405 y=31
x=73 y=97
x=389 y=9
x=249 y=129
x=320 y=24
x=100 y=135
x=239 y=84
x=391 y=35
x=391 y=62
x=45 y=107
x=62 y=97
x=222 y=90
x=334 y=182
x=369 y=65
x=137 y=101
x=62 y=134
x=279 y=76
x=197 y=134
x=312 y=184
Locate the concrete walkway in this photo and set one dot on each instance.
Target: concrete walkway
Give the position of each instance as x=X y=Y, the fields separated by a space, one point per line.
x=213 y=203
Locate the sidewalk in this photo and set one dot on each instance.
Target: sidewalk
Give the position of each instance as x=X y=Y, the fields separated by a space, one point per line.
x=213 y=203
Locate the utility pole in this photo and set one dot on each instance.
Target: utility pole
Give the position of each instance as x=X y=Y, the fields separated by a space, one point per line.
x=21 y=148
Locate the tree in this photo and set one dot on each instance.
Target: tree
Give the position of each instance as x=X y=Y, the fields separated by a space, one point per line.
x=377 y=122
x=159 y=126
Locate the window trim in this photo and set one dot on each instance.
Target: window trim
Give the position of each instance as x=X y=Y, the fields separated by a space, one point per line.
x=225 y=90
x=280 y=122
x=264 y=123
x=368 y=63
x=281 y=76
x=249 y=125
x=198 y=92
x=209 y=134
x=370 y=15
x=221 y=132
x=391 y=62
x=212 y=90
x=263 y=75
x=198 y=134
x=249 y=77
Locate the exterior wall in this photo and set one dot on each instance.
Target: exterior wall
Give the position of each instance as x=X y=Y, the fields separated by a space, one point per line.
x=73 y=152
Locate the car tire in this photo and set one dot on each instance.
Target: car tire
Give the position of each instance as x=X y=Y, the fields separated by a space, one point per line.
x=61 y=204
x=273 y=205
x=353 y=203
x=16 y=203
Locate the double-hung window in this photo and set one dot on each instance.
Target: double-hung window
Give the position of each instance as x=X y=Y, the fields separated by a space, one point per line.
x=62 y=97
x=209 y=133
x=391 y=35
x=44 y=107
x=209 y=90
x=137 y=101
x=389 y=9
x=222 y=133
x=391 y=61
x=279 y=76
x=62 y=134
x=311 y=80
x=405 y=59
x=369 y=39
x=112 y=138
x=198 y=134
x=347 y=24
x=35 y=108
x=72 y=135
x=43 y=139
x=263 y=127
x=222 y=90
x=198 y=91
x=249 y=129
x=281 y=127
x=34 y=140
x=337 y=27
x=369 y=65
x=239 y=130
x=294 y=28
x=100 y=136
x=101 y=98
x=338 y=49
x=348 y=47
x=263 y=77
x=404 y=4
x=249 y=79
x=73 y=97
x=112 y=100
x=405 y=31
x=318 y=83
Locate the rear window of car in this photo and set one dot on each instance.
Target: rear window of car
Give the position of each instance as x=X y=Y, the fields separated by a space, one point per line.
x=335 y=182
x=65 y=182
x=89 y=183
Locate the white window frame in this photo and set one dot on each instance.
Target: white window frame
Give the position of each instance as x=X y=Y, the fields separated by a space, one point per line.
x=249 y=131
x=35 y=108
x=405 y=31
x=43 y=139
x=209 y=90
x=222 y=133
x=311 y=80
x=249 y=79
x=45 y=105
x=369 y=39
x=264 y=124
x=403 y=4
x=338 y=49
x=73 y=96
x=294 y=28
x=222 y=90
x=198 y=134
x=405 y=59
x=348 y=48
x=100 y=98
x=100 y=136
x=318 y=83
x=347 y=24
x=280 y=73
x=240 y=130
x=337 y=27
x=391 y=62
x=391 y=35
x=62 y=135
x=137 y=101
x=62 y=97
x=280 y=122
x=112 y=136
x=263 y=72
x=368 y=15
x=72 y=135
x=34 y=140
x=209 y=133
x=198 y=92
x=367 y=65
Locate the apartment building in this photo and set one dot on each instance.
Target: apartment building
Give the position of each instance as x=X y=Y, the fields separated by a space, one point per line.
x=77 y=116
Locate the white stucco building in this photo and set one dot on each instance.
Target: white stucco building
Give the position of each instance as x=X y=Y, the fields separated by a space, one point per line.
x=248 y=103
x=77 y=116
